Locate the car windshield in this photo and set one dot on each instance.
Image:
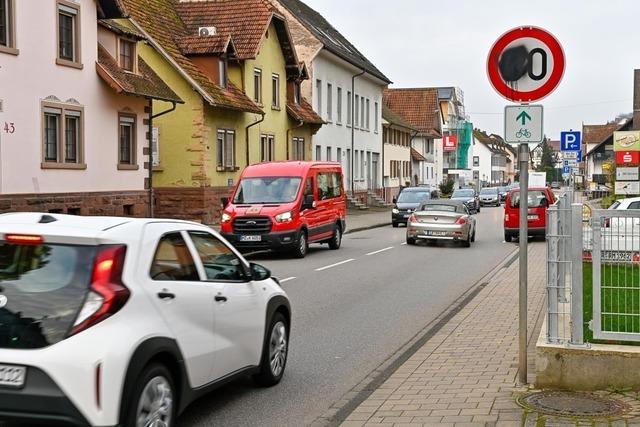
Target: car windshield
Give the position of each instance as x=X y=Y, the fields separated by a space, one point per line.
x=488 y=191
x=535 y=199
x=282 y=189
x=614 y=206
x=503 y=189
x=44 y=286
x=413 y=196
x=439 y=207
x=462 y=193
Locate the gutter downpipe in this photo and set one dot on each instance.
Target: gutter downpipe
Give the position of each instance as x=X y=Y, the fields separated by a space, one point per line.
x=247 y=133
x=415 y=133
x=150 y=176
x=298 y=126
x=353 y=129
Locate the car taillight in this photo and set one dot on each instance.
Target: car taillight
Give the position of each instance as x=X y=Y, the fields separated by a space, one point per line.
x=413 y=218
x=107 y=294
x=506 y=217
x=461 y=221
x=24 y=239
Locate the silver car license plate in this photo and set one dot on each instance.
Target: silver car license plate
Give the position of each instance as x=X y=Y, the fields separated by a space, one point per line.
x=12 y=376
x=251 y=238
x=435 y=233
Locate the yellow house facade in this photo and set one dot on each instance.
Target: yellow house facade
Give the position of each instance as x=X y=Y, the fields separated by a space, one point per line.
x=240 y=87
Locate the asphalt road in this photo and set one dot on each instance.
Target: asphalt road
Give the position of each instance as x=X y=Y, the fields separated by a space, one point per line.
x=352 y=309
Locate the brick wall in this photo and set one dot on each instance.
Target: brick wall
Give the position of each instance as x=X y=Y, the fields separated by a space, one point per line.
x=200 y=204
x=123 y=203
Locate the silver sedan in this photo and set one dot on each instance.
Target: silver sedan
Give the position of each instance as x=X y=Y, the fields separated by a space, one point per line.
x=442 y=220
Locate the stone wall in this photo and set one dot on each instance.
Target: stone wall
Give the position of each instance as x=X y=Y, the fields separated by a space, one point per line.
x=123 y=203
x=200 y=204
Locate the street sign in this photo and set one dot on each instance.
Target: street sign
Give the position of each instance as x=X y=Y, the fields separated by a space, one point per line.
x=523 y=123
x=566 y=169
x=450 y=143
x=570 y=162
x=537 y=179
x=627 y=174
x=627 y=157
x=570 y=141
x=626 y=141
x=630 y=188
x=525 y=64
x=569 y=154
x=575 y=170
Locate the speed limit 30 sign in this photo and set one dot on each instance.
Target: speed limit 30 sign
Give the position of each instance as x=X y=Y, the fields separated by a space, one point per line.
x=525 y=64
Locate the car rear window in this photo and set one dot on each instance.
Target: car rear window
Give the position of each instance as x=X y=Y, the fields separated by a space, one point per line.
x=42 y=287
x=536 y=199
x=440 y=208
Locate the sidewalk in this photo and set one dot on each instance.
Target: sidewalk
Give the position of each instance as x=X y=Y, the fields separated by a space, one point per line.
x=358 y=220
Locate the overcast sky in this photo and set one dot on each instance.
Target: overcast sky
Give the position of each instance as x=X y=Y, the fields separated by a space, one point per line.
x=441 y=43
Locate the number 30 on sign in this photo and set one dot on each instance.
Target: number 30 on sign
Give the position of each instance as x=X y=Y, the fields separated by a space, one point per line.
x=9 y=127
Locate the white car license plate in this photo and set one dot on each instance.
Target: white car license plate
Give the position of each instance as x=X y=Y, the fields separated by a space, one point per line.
x=12 y=376
x=406 y=215
x=251 y=238
x=435 y=233
x=532 y=217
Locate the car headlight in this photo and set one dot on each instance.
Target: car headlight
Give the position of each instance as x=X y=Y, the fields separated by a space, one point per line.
x=395 y=211
x=285 y=217
x=409 y=210
x=225 y=217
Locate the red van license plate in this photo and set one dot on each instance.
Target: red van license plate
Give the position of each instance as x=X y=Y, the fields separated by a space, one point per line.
x=251 y=238
x=532 y=217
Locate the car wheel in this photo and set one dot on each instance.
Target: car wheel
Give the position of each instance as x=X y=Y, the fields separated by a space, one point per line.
x=411 y=241
x=473 y=236
x=394 y=224
x=478 y=210
x=300 y=251
x=153 y=399
x=467 y=243
x=274 y=353
x=336 y=239
x=507 y=237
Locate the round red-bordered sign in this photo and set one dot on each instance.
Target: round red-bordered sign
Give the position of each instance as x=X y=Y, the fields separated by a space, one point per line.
x=546 y=86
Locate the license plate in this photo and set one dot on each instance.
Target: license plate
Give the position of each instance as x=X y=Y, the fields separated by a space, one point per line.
x=251 y=238
x=532 y=217
x=617 y=256
x=435 y=233
x=407 y=216
x=12 y=376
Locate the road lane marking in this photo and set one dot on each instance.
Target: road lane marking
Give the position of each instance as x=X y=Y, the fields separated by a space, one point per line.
x=335 y=265
x=381 y=250
x=288 y=279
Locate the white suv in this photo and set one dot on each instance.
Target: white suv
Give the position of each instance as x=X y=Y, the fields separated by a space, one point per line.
x=117 y=321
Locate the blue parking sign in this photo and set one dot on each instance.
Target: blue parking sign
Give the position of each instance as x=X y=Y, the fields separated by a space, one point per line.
x=566 y=169
x=570 y=141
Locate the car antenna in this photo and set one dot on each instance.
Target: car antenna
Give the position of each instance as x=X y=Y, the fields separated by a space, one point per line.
x=46 y=219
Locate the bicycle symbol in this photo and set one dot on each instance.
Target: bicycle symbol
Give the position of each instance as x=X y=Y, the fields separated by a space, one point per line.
x=523 y=133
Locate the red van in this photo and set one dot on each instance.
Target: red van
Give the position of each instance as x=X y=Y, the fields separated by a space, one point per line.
x=286 y=206
x=540 y=198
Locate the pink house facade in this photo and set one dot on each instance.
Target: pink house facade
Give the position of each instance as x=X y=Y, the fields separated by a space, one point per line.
x=74 y=139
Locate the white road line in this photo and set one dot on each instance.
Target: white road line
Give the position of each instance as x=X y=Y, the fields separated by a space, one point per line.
x=335 y=265
x=288 y=279
x=381 y=250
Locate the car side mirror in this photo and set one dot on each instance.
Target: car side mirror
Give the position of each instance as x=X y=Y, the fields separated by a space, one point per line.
x=225 y=202
x=308 y=202
x=394 y=200
x=259 y=272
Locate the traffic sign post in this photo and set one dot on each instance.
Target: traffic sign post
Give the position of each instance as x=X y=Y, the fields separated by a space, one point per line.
x=524 y=65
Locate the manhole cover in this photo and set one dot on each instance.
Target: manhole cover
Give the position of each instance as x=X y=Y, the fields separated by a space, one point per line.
x=572 y=404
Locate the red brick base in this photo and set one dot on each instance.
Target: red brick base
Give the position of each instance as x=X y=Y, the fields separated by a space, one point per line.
x=201 y=204
x=123 y=203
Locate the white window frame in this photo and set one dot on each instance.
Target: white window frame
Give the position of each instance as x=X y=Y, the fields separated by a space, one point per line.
x=319 y=97
x=339 y=105
x=275 y=91
x=257 y=85
x=225 y=157
x=267 y=147
x=329 y=102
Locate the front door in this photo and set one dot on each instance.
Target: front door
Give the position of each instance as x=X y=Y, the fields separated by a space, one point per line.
x=171 y=279
x=374 y=172
x=238 y=309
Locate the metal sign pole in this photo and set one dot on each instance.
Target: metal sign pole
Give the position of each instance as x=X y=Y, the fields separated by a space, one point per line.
x=523 y=153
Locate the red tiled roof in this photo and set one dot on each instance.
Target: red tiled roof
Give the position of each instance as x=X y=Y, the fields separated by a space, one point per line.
x=595 y=134
x=246 y=21
x=146 y=84
x=417 y=156
x=198 y=45
x=161 y=22
x=118 y=28
x=417 y=106
x=554 y=145
x=303 y=112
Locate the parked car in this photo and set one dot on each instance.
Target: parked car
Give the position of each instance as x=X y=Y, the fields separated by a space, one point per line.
x=489 y=196
x=408 y=201
x=285 y=206
x=442 y=220
x=556 y=185
x=539 y=199
x=122 y=321
x=469 y=197
x=502 y=191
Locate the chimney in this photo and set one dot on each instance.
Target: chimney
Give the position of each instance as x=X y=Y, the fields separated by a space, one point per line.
x=636 y=99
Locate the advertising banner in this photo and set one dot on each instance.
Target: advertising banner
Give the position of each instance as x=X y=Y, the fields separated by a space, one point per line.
x=626 y=141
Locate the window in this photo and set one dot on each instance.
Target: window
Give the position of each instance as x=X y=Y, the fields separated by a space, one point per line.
x=362 y=112
x=296 y=92
x=329 y=185
x=329 y=101
x=257 y=85
x=155 y=146
x=298 y=148
x=328 y=154
x=173 y=261
x=7 y=29
x=375 y=118
x=319 y=96
x=68 y=34
x=356 y=163
x=275 y=91
x=219 y=262
x=361 y=164
x=226 y=149
x=127 y=55
x=368 y=113
x=62 y=129
x=339 y=105
x=222 y=72
x=267 y=148
x=339 y=155
x=349 y=108
x=318 y=153
x=127 y=142
x=357 y=114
